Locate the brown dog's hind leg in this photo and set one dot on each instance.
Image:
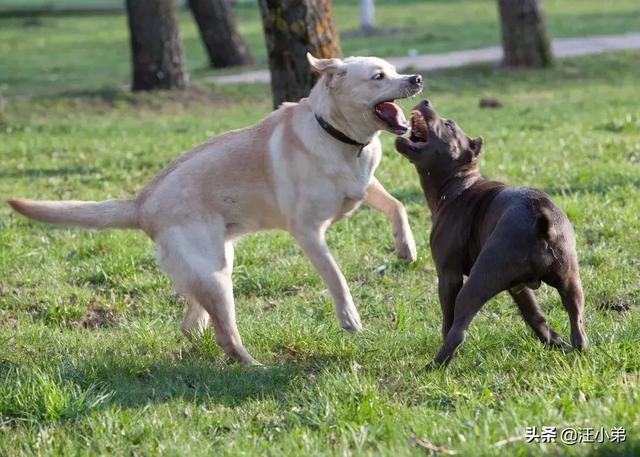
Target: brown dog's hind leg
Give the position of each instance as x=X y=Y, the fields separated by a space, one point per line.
x=533 y=316
x=573 y=301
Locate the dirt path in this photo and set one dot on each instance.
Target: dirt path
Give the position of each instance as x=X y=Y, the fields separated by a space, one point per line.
x=562 y=47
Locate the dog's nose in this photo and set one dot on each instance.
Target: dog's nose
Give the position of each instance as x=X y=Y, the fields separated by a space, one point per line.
x=416 y=80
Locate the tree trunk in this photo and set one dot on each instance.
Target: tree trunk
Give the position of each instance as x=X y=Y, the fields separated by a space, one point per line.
x=291 y=28
x=525 y=40
x=155 y=45
x=218 y=30
x=367 y=15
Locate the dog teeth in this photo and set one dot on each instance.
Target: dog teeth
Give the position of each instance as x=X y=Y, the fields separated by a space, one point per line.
x=419 y=129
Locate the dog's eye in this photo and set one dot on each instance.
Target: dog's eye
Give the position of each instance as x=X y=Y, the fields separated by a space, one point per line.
x=449 y=125
x=378 y=76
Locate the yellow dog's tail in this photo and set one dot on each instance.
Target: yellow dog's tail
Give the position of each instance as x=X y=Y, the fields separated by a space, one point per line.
x=98 y=215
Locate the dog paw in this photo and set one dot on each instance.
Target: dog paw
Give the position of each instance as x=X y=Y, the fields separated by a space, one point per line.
x=249 y=362
x=431 y=366
x=443 y=356
x=406 y=250
x=434 y=365
x=353 y=327
x=579 y=342
x=562 y=345
x=558 y=343
x=350 y=321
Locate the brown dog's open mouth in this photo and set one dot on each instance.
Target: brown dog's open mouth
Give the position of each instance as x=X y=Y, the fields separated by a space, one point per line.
x=419 y=127
x=392 y=116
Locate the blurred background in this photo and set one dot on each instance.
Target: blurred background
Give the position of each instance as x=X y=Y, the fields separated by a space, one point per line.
x=52 y=46
x=97 y=96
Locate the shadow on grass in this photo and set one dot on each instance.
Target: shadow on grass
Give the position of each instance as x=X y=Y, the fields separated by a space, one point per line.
x=194 y=94
x=47 y=172
x=196 y=379
x=106 y=94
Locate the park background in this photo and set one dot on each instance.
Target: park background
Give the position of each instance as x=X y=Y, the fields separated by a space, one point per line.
x=91 y=357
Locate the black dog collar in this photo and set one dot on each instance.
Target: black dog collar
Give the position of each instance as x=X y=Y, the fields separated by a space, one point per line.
x=338 y=135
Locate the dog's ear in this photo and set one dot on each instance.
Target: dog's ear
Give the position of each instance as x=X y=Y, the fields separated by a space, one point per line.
x=475 y=146
x=331 y=68
x=323 y=65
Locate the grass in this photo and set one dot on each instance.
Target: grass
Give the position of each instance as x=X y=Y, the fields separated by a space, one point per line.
x=58 y=54
x=92 y=360
x=91 y=357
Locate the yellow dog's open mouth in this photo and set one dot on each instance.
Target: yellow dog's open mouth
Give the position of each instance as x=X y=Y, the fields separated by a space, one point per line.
x=392 y=117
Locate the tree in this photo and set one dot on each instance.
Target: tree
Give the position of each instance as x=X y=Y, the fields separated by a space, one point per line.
x=367 y=15
x=218 y=30
x=156 y=50
x=525 y=40
x=291 y=28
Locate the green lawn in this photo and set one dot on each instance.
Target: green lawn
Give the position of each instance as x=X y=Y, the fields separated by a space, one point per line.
x=130 y=384
x=57 y=54
x=91 y=357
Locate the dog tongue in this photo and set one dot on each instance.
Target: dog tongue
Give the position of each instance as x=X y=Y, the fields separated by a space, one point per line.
x=393 y=116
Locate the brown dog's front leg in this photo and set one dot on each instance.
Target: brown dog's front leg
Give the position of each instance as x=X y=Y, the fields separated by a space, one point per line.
x=449 y=284
x=483 y=283
x=468 y=303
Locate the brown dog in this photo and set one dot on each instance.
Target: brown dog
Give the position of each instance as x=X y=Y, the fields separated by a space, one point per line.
x=501 y=238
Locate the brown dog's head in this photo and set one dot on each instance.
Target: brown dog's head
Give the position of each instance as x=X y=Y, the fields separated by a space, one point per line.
x=437 y=146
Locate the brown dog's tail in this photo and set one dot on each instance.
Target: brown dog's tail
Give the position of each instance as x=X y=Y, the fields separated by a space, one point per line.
x=544 y=223
x=98 y=215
